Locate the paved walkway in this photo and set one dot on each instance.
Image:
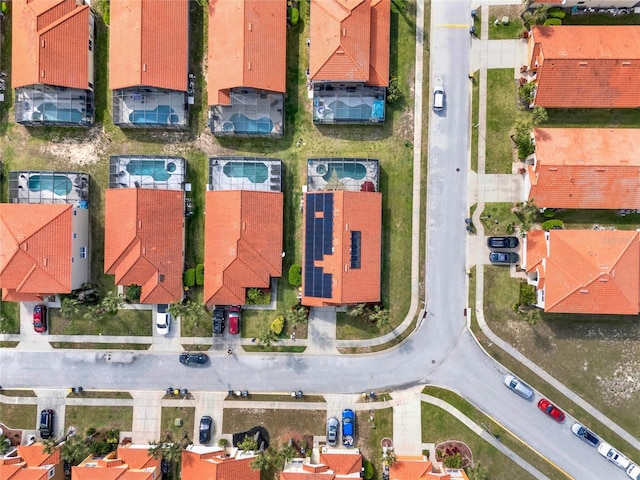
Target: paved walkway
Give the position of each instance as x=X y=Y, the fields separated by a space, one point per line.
x=407 y=421
x=147 y=412
x=321 y=333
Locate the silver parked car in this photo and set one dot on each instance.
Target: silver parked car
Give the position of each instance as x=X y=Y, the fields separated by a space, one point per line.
x=333 y=425
x=613 y=455
x=518 y=386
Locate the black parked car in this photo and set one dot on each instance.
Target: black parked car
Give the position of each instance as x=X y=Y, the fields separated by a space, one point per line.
x=205 y=429
x=503 y=242
x=46 y=423
x=218 y=320
x=193 y=358
x=504 y=257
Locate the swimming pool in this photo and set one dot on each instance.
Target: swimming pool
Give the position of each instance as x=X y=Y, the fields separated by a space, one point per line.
x=255 y=172
x=357 y=171
x=158 y=169
x=244 y=124
x=58 y=184
x=53 y=113
x=161 y=115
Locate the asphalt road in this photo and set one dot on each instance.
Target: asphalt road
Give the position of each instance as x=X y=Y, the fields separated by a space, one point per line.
x=440 y=352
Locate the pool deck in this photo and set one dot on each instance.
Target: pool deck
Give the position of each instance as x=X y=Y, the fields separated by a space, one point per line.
x=119 y=176
x=29 y=102
x=316 y=173
x=127 y=101
x=219 y=180
x=19 y=191
x=252 y=105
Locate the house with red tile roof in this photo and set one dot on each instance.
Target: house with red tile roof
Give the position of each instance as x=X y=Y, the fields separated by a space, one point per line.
x=585 y=66
x=349 y=60
x=144 y=227
x=590 y=168
x=324 y=465
x=215 y=463
x=30 y=462
x=584 y=271
x=149 y=62
x=44 y=235
x=247 y=67
x=130 y=462
x=52 y=62
x=420 y=468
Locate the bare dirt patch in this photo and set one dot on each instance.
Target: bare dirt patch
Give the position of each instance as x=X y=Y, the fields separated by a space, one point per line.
x=281 y=424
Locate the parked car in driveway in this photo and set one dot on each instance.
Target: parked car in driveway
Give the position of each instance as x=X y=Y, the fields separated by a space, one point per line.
x=193 y=358
x=503 y=242
x=633 y=471
x=218 y=320
x=504 y=257
x=234 y=319
x=550 y=409
x=163 y=323
x=206 y=423
x=585 y=434
x=333 y=425
x=348 y=427
x=46 y=423
x=40 y=318
x=613 y=455
x=518 y=386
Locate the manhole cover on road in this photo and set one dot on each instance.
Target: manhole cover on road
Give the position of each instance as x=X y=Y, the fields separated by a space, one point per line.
x=386 y=442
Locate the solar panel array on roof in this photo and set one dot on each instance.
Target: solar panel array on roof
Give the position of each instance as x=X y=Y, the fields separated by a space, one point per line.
x=356 y=238
x=318 y=243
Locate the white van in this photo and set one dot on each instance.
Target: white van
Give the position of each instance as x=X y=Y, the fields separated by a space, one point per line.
x=438 y=98
x=518 y=386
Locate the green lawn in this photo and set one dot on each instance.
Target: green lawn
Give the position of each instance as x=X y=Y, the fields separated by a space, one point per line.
x=280 y=424
x=475 y=119
x=496 y=216
x=505 y=32
x=19 y=416
x=9 y=317
x=125 y=322
x=601 y=19
x=592 y=117
x=348 y=328
x=168 y=426
x=100 y=418
x=371 y=432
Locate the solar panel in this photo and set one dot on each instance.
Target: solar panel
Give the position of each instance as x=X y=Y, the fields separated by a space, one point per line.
x=318 y=242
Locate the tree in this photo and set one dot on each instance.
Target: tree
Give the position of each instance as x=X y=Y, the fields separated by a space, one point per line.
x=285 y=454
x=267 y=336
x=356 y=310
x=249 y=444
x=539 y=116
x=368 y=469
x=223 y=442
x=393 y=90
x=133 y=292
x=297 y=314
x=477 y=472
x=50 y=446
x=5 y=443
x=380 y=316
x=261 y=462
x=69 y=307
x=112 y=302
x=540 y=14
x=74 y=450
x=189 y=311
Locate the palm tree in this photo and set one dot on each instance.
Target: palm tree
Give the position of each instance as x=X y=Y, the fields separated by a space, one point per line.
x=50 y=446
x=69 y=307
x=74 y=450
x=285 y=454
x=261 y=462
x=356 y=310
x=380 y=316
x=297 y=314
x=249 y=444
x=267 y=336
x=477 y=472
x=112 y=302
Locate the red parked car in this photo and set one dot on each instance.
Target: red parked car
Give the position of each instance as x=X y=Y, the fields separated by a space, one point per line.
x=550 y=409
x=40 y=318
x=234 y=319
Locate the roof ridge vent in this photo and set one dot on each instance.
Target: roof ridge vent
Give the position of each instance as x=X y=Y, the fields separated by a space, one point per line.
x=583 y=64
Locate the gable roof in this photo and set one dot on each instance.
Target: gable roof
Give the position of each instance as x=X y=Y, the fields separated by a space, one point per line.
x=213 y=466
x=586 y=66
x=591 y=168
x=243 y=243
x=247 y=47
x=351 y=212
x=350 y=41
x=50 y=42
x=35 y=456
x=149 y=44
x=342 y=463
x=29 y=464
x=407 y=468
x=144 y=241
x=35 y=250
x=593 y=272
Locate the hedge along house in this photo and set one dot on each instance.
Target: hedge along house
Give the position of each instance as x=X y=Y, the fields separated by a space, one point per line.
x=148 y=63
x=247 y=67
x=243 y=227
x=349 y=60
x=341 y=248
x=144 y=225
x=585 y=168
x=585 y=66
x=52 y=67
x=44 y=235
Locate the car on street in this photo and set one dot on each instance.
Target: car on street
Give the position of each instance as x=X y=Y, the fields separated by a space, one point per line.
x=333 y=425
x=218 y=320
x=348 y=427
x=613 y=455
x=46 y=423
x=438 y=98
x=504 y=257
x=206 y=423
x=550 y=409
x=633 y=471
x=518 y=386
x=40 y=318
x=585 y=434
x=234 y=319
x=193 y=358
x=503 y=242
x=163 y=323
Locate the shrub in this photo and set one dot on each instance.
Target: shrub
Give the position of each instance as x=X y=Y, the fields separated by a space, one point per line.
x=393 y=91
x=258 y=296
x=189 y=277
x=368 y=469
x=552 y=22
x=549 y=213
x=295 y=275
x=277 y=325
x=552 y=224
x=556 y=13
x=133 y=293
x=199 y=274
x=294 y=16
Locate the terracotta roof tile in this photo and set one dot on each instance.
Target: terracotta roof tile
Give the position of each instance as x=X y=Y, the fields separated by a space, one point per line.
x=350 y=41
x=50 y=41
x=247 y=47
x=35 y=248
x=137 y=458
x=197 y=466
x=410 y=469
x=306 y=476
x=352 y=211
x=144 y=241
x=243 y=243
x=149 y=44
x=342 y=463
x=586 y=66
x=593 y=272
x=536 y=249
x=35 y=456
x=587 y=168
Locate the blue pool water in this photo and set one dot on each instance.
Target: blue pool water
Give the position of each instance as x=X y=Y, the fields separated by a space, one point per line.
x=244 y=124
x=357 y=171
x=51 y=112
x=154 y=168
x=256 y=172
x=58 y=184
x=161 y=115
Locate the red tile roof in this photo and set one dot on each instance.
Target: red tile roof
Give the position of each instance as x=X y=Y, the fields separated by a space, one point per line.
x=29 y=463
x=144 y=241
x=306 y=476
x=35 y=250
x=35 y=456
x=586 y=66
x=350 y=41
x=342 y=463
x=207 y=466
x=247 y=47
x=412 y=468
x=592 y=272
x=50 y=42
x=243 y=243
x=352 y=211
x=589 y=168
x=149 y=44
x=536 y=249
x=137 y=458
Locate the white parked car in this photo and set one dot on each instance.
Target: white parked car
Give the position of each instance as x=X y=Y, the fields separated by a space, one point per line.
x=613 y=455
x=163 y=323
x=633 y=471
